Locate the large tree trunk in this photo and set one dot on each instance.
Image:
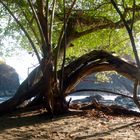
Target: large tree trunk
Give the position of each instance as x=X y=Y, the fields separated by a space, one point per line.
x=95 y=61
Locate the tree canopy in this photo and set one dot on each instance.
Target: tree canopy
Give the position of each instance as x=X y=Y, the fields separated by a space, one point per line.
x=95 y=22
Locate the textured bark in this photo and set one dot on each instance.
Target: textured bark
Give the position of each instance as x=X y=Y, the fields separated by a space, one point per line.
x=97 y=61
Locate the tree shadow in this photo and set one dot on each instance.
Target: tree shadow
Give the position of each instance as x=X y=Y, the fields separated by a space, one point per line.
x=18 y=119
x=105 y=133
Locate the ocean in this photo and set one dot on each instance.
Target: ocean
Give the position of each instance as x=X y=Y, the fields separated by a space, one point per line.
x=106 y=97
x=2 y=99
x=73 y=97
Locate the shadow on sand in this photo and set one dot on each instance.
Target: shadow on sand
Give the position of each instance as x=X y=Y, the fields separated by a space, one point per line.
x=19 y=119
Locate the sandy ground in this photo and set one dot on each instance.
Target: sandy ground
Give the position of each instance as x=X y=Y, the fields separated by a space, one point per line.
x=87 y=125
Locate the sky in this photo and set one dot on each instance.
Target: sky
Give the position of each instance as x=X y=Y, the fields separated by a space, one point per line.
x=18 y=58
x=23 y=63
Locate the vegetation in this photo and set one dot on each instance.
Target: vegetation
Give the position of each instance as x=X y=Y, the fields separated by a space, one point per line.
x=71 y=40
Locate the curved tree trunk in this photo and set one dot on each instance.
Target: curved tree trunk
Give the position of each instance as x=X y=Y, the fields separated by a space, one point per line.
x=95 y=61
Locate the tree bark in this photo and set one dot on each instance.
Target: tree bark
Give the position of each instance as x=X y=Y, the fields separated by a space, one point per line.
x=97 y=61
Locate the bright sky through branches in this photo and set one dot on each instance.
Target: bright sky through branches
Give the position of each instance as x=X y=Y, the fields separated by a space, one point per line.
x=22 y=63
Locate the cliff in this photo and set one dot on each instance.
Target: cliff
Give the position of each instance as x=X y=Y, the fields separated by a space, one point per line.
x=9 y=80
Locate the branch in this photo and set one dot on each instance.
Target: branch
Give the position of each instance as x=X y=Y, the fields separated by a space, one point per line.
x=135 y=92
x=30 y=24
x=99 y=90
x=133 y=15
x=105 y=25
x=129 y=32
x=131 y=9
x=97 y=61
x=44 y=43
x=47 y=17
x=61 y=37
x=64 y=54
x=51 y=21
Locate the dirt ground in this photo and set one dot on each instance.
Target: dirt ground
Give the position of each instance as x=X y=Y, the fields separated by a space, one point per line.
x=77 y=125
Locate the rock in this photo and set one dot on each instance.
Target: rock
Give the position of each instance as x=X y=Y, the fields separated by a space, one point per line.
x=116 y=83
x=89 y=99
x=95 y=97
x=9 y=80
x=107 y=102
x=126 y=102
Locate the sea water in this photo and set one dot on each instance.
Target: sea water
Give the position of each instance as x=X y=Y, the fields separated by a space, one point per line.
x=73 y=97
x=2 y=99
x=106 y=97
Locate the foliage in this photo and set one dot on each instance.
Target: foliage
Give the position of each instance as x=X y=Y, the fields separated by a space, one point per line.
x=92 y=12
x=103 y=77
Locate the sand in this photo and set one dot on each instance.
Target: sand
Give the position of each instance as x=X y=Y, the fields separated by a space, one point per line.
x=77 y=125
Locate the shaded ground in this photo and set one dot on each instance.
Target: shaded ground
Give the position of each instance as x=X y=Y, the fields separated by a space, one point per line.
x=77 y=125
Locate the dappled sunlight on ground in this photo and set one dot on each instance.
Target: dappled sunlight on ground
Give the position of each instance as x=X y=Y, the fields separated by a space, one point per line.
x=74 y=126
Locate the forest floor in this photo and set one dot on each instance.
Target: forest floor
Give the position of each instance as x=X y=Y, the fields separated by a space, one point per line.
x=76 y=125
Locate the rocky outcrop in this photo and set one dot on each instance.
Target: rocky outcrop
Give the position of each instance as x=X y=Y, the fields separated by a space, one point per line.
x=9 y=80
x=125 y=102
x=96 y=98
x=116 y=83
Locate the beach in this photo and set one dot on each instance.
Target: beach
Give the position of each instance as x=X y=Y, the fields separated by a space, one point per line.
x=76 y=125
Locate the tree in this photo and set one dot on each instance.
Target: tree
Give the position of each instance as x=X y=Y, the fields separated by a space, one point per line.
x=55 y=26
